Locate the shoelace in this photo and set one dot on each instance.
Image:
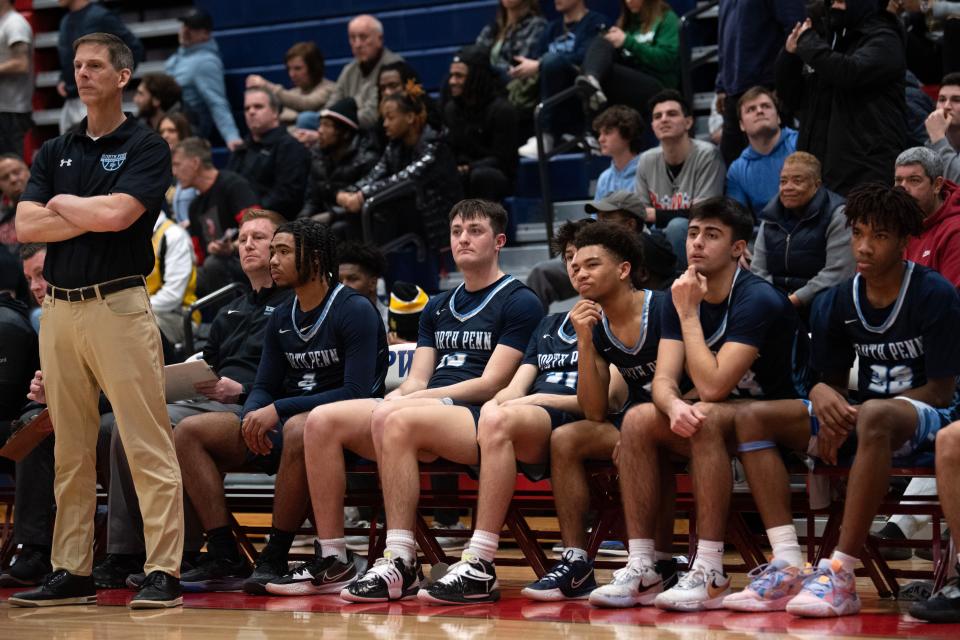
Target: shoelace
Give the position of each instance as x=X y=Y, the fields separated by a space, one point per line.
x=152 y=580
x=384 y=568
x=692 y=578
x=629 y=572
x=560 y=569
x=453 y=573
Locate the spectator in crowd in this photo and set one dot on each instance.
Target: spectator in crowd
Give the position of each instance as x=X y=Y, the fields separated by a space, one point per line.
x=634 y=59
x=172 y=284
x=560 y=52
x=84 y=17
x=14 y=175
x=618 y=133
x=678 y=173
x=852 y=105
x=358 y=79
x=752 y=179
x=803 y=245
x=919 y=107
x=344 y=153
x=311 y=91
x=233 y=352
x=157 y=95
x=343 y=355
x=19 y=348
x=920 y=171
x=750 y=35
x=174 y=128
x=481 y=127
x=361 y=268
x=271 y=160
x=32 y=255
x=416 y=158
x=222 y=197
x=198 y=69
x=16 y=78
x=394 y=78
x=943 y=126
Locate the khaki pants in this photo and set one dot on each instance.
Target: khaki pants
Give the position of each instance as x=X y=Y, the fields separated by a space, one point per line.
x=111 y=344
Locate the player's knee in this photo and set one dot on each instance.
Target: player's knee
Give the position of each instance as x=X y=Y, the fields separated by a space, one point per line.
x=748 y=423
x=639 y=425
x=495 y=428
x=293 y=434
x=565 y=443
x=948 y=445
x=875 y=423
x=186 y=434
x=396 y=430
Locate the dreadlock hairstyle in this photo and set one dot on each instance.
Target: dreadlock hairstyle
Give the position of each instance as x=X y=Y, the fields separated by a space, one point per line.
x=882 y=207
x=482 y=84
x=410 y=100
x=314 y=248
x=566 y=235
x=620 y=244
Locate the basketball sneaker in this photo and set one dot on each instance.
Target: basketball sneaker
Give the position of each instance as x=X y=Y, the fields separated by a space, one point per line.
x=569 y=579
x=315 y=577
x=470 y=581
x=827 y=592
x=943 y=606
x=214 y=573
x=635 y=584
x=771 y=587
x=388 y=579
x=697 y=590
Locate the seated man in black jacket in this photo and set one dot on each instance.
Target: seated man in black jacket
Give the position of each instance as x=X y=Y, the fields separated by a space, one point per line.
x=481 y=126
x=343 y=154
x=271 y=160
x=233 y=351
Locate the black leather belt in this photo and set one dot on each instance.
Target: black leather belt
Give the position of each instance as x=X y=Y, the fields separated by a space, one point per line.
x=89 y=293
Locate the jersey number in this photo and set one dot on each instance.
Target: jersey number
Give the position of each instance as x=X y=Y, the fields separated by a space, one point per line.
x=565 y=378
x=452 y=360
x=890 y=380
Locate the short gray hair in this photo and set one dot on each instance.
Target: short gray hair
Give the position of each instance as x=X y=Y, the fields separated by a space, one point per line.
x=930 y=161
x=376 y=24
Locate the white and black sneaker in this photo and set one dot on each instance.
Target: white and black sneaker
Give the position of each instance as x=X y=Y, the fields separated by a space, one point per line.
x=390 y=578
x=470 y=581
x=316 y=577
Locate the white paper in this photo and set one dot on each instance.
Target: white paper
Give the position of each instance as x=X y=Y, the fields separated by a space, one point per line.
x=181 y=377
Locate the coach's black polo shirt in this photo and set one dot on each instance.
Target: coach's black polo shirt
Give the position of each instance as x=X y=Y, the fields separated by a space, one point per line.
x=132 y=160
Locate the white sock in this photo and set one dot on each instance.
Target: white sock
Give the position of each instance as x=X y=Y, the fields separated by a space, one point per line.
x=483 y=544
x=662 y=555
x=402 y=544
x=785 y=545
x=710 y=555
x=641 y=550
x=578 y=554
x=334 y=547
x=849 y=563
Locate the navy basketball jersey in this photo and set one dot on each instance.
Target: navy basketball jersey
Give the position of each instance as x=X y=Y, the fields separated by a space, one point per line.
x=756 y=314
x=637 y=363
x=553 y=351
x=336 y=351
x=465 y=327
x=901 y=346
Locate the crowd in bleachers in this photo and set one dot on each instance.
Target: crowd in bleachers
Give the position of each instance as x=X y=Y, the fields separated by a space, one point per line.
x=818 y=103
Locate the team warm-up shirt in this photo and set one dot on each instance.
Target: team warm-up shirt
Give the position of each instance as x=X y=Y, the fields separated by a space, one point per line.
x=755 y=314
x=336 y=351
x=553 y=351
x=900 y=347
x=637 y=363
x=466 y=326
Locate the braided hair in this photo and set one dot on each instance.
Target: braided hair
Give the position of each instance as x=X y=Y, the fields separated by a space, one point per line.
x=883 y=207
x=410 y=100
x=314 y=250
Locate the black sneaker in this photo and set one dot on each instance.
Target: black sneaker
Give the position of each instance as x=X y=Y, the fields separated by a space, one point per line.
x=668 y=572
x=59 y=588
x=318 y=576
x=569 y=579
x=28 y=570
x=187 y=563
x=470 y=581
x=112 y=571
x=388 y=579
x=943 y=606
x=159 y=591
x=216 y=574
x=890 y=531
x=270 y=566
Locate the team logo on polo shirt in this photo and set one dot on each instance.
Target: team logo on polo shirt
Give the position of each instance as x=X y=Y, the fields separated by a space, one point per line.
x=112 y=162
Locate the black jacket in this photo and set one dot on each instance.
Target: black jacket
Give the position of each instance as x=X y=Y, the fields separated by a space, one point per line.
x=329 y=175
x=485 y=137
x=850 y=96
x=19 y=356
x=276 y=167
x=430 y=166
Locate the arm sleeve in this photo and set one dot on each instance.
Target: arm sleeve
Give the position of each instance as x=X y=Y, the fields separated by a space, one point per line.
x=670 y=321
x=177 y=268
x=145 y=175
x=425 y=330
x=735 y=188
x=831 y=351
x=211 y=350
x=40 y=187
x=209 y=82
x=942 y=349
x=663 y=54
x=502 y=151
x=530 y=354
x=712 y=173
x=839 y=264
x=269 y=381
x=948 y=254
x=759 y=263
x=312 y=101
x=789 y=80
x=950 y=157
x=357 y=334
x=880 y=59
x=521 y=315
x=410 y=172
x=752 y=316
x=241 y=197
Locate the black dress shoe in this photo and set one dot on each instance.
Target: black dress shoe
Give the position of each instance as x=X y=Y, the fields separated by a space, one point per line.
x=112 y=571
x=159 y=591
x=891 y=531
x=59 y=588
x=28 y=570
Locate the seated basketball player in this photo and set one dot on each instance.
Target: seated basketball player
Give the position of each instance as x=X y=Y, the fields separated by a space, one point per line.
x=325 y=345
x=733 y=334
x=900 y=319
x=471 y=342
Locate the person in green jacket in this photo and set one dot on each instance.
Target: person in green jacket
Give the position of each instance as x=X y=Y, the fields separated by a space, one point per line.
x=635 y=59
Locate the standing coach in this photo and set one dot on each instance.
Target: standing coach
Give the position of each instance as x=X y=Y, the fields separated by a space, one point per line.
x=93 y=197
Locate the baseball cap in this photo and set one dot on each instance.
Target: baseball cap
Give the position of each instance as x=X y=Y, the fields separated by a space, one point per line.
x=197 y=19
x=619 y=201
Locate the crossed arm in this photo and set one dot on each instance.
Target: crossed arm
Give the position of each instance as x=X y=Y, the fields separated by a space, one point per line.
x=67 y=216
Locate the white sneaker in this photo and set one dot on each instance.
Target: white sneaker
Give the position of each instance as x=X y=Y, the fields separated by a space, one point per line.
x=635 y=584
x=697 y=590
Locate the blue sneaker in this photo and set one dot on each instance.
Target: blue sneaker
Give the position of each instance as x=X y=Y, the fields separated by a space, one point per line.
x=612 y=548
x=569 y=579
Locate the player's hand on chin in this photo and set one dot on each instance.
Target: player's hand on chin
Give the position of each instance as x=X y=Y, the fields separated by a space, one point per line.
x=255 y=427
x=688 y=291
